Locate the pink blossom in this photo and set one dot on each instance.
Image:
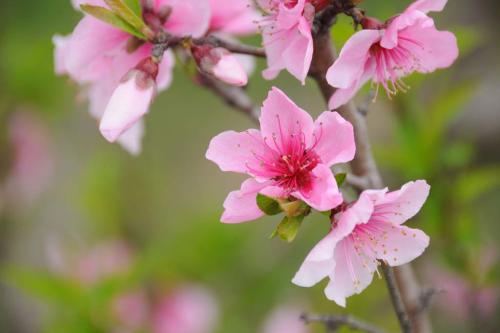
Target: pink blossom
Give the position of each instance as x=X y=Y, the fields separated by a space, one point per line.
x=188 y=309
x=131 y=310
x=289 y=157
x=128 y=104
x=363 y=233
x=285 y=319
x=236 y=17
x=384 y=53
x=98 y=55
x=287 y=38
x=32 y=161
x=220 y=63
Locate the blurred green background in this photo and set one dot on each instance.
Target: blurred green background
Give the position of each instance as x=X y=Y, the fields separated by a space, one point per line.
x=165 y=204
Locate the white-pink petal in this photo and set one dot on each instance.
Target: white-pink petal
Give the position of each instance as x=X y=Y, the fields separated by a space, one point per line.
x=188 y=18
x=128 y=104
x=241 y=205
x=228 y=69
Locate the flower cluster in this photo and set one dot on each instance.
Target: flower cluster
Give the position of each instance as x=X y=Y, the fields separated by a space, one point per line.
x=122 y=54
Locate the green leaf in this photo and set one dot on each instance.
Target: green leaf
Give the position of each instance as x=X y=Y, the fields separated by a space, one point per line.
x=120 y=8
x=340 y=178
x=135 y=5
x=268 y=205
x=111 y=18
x=289 y=227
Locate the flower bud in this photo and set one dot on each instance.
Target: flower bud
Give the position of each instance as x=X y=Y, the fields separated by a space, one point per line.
x=371 y=23
x=220 y=63
x=130 y=100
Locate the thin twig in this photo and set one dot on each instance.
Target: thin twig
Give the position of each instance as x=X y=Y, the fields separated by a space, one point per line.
x=334 y=322
x=426 y=298
x=397 y=301
x=360 y=183
x=233 y=96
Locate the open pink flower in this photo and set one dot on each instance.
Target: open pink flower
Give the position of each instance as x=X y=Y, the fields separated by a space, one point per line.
x=287 y=38
x=98 y=55
x=387 y=52
x=364 y=233
x=290 y=156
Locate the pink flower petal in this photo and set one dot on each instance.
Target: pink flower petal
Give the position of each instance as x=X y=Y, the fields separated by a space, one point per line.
x=324 y=193
x=233 y=151
x=188 y=18
x=399 y=244
x=131 y=139
x=353 y=273
x=335 y=139
x=237 y=17
x=61 y=45
x=229 y=70
x=281 y=118
x=127 y=106
x=90 y=49
x=399 y=206
x=426 y=6
x=165 y=69
x=343 y=95
x=241 y=206
x=350 y=65
x=436 y=49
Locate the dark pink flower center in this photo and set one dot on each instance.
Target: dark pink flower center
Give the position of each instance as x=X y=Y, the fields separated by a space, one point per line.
x=288 y=162
x=392 y=64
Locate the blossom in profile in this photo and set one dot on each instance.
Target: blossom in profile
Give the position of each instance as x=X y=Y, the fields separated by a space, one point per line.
x=290 y=157
x=97 y=55
x=364 y=233
x=187 y=309
x=387 y=52
x=287 y=37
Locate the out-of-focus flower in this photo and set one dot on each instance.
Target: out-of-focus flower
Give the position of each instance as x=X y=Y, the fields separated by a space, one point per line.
x=131 y=311
x=98 y=55
x=290 y=156
x=220 y=63
x=285 y=319
x=363 y=233
x=32 y=164
x=463 y=298
x=188 y=309
x=384 y=53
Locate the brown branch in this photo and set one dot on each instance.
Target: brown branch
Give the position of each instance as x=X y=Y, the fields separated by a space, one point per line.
x=334 y=322
x=232 y=96
x=364 y=165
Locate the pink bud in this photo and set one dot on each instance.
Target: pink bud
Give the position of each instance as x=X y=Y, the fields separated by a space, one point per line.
x=220 y=63
x=130 y=100
x=371 y=23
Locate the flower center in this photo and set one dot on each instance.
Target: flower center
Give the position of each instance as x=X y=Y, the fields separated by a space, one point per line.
x=295 y=170
x=392 y=64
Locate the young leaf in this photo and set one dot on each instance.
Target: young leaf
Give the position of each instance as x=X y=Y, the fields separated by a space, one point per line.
x=340 y=178
x=135 y=5
x=289 y=227
x=120 y=8
x=268 y=205
x=111 y=18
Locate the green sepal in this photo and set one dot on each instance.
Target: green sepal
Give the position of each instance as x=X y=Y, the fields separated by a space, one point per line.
x=340 y=178
x=288 y=228
x=268 y=205
x=135 y=5
x=109 y=17
x=120 y=8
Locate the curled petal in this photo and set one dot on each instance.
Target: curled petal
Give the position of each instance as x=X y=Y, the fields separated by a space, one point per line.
x=399 y=206
x=241 y=206
x=350 y=65
x=426 y=6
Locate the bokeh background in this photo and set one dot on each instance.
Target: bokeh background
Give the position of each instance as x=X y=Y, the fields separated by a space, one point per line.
x=82 y=223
